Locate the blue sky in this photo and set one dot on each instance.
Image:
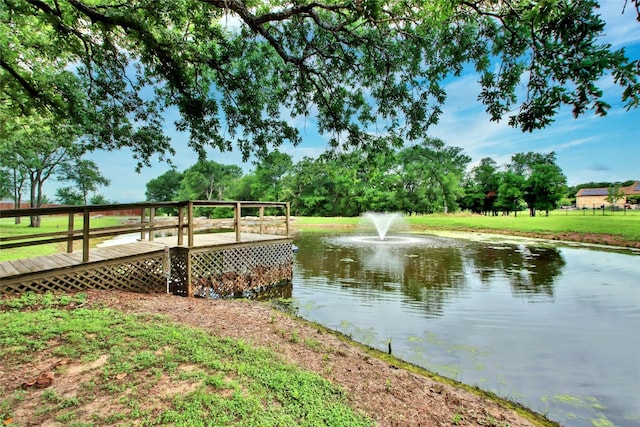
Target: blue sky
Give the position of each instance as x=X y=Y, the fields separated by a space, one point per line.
x=589 y=148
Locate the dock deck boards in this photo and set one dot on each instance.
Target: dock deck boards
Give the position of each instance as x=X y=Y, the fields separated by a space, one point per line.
x=26 y=266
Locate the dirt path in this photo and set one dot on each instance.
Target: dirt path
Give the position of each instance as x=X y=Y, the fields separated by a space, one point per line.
x=387 y=392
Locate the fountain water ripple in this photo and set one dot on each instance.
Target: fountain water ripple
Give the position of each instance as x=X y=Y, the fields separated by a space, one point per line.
x=404 y=240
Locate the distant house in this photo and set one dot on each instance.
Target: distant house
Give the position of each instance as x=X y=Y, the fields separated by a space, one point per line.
x=596 y=197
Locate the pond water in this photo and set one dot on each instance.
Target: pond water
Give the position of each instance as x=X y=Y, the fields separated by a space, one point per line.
x=556 y=328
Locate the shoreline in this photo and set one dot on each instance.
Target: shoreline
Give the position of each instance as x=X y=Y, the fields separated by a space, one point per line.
x=390 y=391
x=379 y=387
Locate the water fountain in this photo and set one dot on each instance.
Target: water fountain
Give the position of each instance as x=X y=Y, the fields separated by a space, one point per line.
x=382 y=221
x=381 y=229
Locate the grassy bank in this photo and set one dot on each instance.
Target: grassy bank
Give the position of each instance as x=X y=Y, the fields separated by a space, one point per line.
x=626 y=226
x=146 y=370
x=105 y=358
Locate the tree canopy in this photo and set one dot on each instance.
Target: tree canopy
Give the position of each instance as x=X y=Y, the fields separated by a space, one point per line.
x=237 y=71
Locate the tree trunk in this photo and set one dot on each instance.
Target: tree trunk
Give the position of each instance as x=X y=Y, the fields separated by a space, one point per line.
x=36 y=198
x=17 y=194
x=17 y=199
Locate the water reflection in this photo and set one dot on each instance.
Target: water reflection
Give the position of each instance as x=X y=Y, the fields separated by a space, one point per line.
x=532 y=271
x=464 y=309
x=430 y=271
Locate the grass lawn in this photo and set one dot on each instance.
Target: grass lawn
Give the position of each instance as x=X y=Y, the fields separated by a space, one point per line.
x=557 y=221
x=146 y=370
x=49 y=224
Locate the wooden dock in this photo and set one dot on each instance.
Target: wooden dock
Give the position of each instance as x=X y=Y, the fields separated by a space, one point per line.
x=25 y=266
x=172 y=264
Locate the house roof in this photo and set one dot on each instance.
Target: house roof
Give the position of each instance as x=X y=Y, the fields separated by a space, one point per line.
x=629 y=190
x=632 y=189
x=592 y=192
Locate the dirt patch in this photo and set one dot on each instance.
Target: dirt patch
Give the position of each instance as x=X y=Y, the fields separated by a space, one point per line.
x=391 y=395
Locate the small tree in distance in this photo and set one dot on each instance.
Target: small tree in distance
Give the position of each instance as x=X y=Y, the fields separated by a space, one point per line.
x=85 y=174
x=68 y=196
x=614 y=193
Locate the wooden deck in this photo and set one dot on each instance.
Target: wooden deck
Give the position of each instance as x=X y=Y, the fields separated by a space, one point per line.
x=257 y=253
x=109 y=252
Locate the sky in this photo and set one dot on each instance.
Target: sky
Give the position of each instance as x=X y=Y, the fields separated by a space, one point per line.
x=590 y=148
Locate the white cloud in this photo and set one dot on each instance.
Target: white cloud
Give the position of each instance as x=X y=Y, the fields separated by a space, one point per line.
x=620 y=29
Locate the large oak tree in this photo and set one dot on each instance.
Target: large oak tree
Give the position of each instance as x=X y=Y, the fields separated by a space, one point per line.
x=236 y=71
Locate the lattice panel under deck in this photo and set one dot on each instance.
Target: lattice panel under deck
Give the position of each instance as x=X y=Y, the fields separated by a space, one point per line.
x=223 y=271
x=236 y=270
x=239 y=259
x=139 y=275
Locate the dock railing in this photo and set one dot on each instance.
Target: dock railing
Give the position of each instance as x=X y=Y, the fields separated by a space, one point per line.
x=148 y=225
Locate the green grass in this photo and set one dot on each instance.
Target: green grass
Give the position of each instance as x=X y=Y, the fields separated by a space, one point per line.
x=557 y=221
x=617 y=223
x=337 y=220
x=207 y=380
x=49 y=224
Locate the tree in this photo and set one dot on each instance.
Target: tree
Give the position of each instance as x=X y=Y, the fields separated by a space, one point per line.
x=344 y=174
x=308 y=187
x=544 y=182
x=5 y=183
x=547 y=185
x=244 y=188
x=437 y=170
x=85 y=174
x=510 y=191
x=270 y=175
x=99 y=199
x=69 y=196
x=13 y=180
x=615 y=193
x=115 y=67
x=208 y=180
x=37 y=146
x=165 y=187
x=487 y=180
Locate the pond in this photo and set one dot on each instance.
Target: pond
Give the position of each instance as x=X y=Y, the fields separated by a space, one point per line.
x=554 y=327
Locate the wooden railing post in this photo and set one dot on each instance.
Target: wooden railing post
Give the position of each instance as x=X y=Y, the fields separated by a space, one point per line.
x=180 y=225
x=143 y=216
x=70 y=233
x=190 y=224
x=85 y=235
x=238 y=215
x=189 y=277
x=288 y=219
x=152 y=217
x=261 y=217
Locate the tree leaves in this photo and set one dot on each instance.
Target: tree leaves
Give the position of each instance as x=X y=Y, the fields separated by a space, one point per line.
x=237 y=72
